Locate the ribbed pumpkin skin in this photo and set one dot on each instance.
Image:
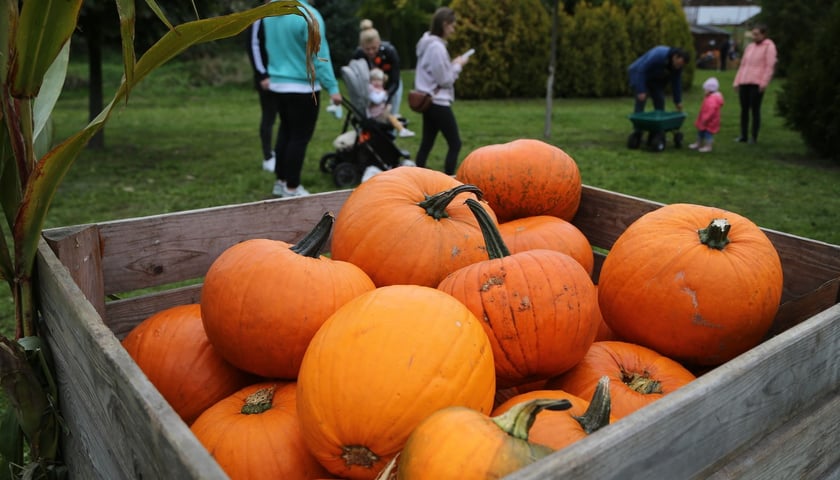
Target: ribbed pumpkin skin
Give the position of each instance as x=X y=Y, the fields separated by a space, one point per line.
x=553 y=429
x=523 y=178
x=173 y=351
x=539 y=309
x=619 y=360
x=384 y=362
x=551 y=233
x=262 y=303
x=459 y=443
x=261 y=445
x=662 y=288
x=381 y=229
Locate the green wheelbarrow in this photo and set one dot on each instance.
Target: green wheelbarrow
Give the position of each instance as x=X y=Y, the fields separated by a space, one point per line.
x=657 y=124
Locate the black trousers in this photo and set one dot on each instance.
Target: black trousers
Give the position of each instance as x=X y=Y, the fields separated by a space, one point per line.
x=439 y=118
x=750 y=97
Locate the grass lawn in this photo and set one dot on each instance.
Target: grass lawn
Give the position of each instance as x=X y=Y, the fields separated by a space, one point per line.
x=178 y=145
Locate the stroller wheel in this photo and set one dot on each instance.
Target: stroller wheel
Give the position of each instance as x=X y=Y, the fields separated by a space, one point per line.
x=328 y=162
x=346 y=175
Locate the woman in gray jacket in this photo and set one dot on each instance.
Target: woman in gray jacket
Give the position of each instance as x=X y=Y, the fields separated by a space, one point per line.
x=436 y=74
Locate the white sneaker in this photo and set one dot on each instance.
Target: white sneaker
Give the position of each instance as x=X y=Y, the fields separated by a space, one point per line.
x=299 y=191
x=408 y=163
x=406 y=133
x=279 y=188
x=369 y=172
x=694 y=146
x=705 y=149
x=268 y=165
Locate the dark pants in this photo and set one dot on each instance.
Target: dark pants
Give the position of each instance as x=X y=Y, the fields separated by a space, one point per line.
x=441 y=119
x=750 y=97
x=268 y=115
x=656 y=92
x=298 y=116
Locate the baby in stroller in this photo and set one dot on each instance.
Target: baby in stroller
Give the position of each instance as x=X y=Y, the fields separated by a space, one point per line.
x=366 y=145
x=378 y=107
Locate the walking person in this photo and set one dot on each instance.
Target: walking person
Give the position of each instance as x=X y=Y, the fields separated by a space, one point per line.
x=382 y=55
x=650 y=74
x=296 y=102
x=258 y=57
x=754 y=74
x=708 y=119
x=436 y=73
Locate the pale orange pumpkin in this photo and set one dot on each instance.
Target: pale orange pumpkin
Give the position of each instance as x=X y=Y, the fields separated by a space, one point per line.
x=380 y=365
x=550 y=233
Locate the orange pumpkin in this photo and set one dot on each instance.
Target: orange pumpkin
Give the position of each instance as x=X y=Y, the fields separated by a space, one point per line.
x=408 y=226
x=638 y=375
x=539 y=307
x=263 y=300
x=171 y=348
x=605 y=333
x=547 y=232
x=559 y=429
x=523 y=178
x=697 y=284
x=255 y=433
x=458 y=442
x=380 y=365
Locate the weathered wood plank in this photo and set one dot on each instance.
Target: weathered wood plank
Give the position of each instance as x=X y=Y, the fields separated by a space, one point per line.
x=729 y=407
x=123 y=315
x=78 y=249
x=118 y=425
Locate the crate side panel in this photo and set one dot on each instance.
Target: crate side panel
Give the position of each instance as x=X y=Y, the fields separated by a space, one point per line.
x=698 y=425
x=118 y=425
x=603 y=215
x=79 y=251
x=124 y=315
x=165 y=249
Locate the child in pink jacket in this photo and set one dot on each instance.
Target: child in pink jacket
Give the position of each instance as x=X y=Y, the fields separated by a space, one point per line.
x=708 y=120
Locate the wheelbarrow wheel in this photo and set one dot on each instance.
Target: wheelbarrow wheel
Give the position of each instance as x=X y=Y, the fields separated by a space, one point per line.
x=634 y=140
x=657 y=142
x=678 y=139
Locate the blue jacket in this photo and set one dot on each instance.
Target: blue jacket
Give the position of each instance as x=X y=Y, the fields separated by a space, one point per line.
x=654 y=67
x=285 y=42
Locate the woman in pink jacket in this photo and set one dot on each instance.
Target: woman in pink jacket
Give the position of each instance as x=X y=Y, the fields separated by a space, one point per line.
x=752 y=78
x=708 y=120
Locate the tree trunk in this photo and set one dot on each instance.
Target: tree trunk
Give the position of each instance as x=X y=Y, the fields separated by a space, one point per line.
x=93 y=35
x=552 y=64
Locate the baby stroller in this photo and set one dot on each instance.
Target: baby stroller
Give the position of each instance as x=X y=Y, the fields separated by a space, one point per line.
x=364 y=142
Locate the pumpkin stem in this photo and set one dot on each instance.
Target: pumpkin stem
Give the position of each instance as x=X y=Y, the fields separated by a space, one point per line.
x=259 y=401
x=641 y=382
x=314 y=241
x=435 y=205
x=517 y=421
x=358 y=455
x=597 y=414
x=495 y=245
x=715 y=235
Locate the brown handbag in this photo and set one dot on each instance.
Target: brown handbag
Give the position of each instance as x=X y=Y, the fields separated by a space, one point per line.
x=419 y=101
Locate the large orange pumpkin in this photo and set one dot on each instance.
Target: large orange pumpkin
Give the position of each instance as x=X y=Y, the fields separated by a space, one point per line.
x=458 y=442
x=171 y=348
x=408 y=226
x=638 y=375
x=380 y=365
x=539 y=307
x=559 y=429
x=523 y=178
x=552 y=233
x=263 y=300
x=697 y=284
x=255 y=434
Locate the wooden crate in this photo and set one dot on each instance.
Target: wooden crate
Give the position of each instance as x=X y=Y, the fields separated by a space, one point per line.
x=772 y=412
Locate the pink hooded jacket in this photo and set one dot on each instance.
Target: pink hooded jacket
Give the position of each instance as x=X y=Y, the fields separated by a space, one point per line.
x=757 y=64
x=709 y=116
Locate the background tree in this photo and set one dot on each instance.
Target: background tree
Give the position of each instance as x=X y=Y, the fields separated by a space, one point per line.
x=400 y=22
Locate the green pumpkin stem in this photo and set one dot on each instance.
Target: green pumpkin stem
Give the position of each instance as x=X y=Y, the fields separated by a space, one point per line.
x=259 y=401
x=716 y=234
x=314 y=241
x=435 y=205
x=496 y=247
x=517 y=421
x=597 y=414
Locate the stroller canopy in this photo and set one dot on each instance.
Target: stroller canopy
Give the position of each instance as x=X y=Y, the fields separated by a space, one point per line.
x=356 y=76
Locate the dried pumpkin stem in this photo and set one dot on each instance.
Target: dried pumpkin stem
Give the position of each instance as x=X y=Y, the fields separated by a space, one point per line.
x=597 y=415
x=641 y=382
x=259 y=401
x=436 y=204
x=517 y=421
x=314 y=241
x=495 y=245
x=716 y=234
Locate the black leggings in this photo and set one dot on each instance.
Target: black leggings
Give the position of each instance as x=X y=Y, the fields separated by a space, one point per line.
x=298 y=116
x=439 y=118
x=268 y=115
x=750 y=97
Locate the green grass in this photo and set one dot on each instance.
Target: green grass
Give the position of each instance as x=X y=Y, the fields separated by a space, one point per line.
x=182 y=142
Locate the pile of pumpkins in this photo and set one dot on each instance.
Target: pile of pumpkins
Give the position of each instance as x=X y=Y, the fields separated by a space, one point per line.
x=454 y=330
